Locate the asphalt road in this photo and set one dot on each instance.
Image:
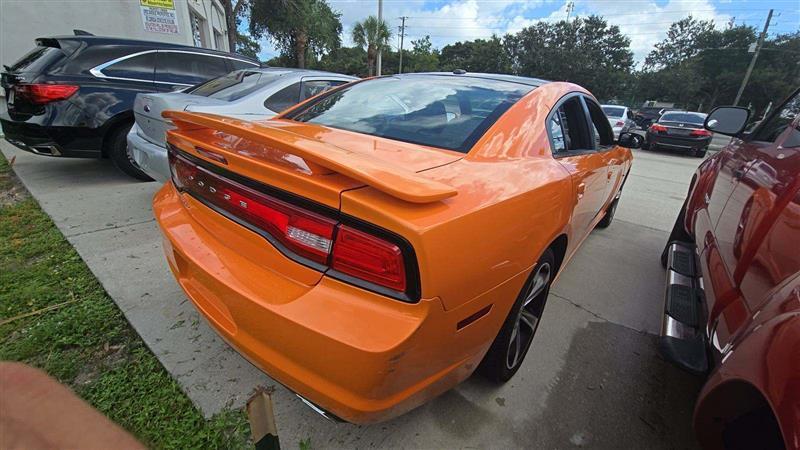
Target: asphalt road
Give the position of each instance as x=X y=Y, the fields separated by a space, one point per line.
x=593 y=377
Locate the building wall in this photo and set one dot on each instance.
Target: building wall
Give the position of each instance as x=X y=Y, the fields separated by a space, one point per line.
x=22 y=21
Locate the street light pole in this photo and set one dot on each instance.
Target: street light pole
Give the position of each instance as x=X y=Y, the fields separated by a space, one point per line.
x=402 y=35
x=380 y=21
x=753 y=61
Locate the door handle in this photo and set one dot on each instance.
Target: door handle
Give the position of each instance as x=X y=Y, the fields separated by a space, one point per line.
x=738 y=173
x=581 y=190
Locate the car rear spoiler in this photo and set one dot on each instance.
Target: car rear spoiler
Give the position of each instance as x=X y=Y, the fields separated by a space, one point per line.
x=397 y=182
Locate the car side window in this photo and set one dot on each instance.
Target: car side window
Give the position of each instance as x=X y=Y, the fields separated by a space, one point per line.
x=777 y=124
x=188 y=68
x=568 y=128
x=601 y=130
x=139 y=67
x=238 y=64
x=312 y=88
x=283 y=99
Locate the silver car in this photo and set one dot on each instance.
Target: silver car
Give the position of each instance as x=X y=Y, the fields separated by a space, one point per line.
x=249 y=94
x=620 y=117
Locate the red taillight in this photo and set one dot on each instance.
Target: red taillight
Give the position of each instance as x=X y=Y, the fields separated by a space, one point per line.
x=40 y=94
x=304 y=233
x=656 y=128
x=369 y=258
x=700 y=133
x=619 y=123
x=352 y=254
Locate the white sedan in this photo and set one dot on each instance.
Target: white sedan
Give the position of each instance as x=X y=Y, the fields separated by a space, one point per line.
x=249 y=94
x=620 y=118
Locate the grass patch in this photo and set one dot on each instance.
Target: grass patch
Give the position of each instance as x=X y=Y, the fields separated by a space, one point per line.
x=86 y=343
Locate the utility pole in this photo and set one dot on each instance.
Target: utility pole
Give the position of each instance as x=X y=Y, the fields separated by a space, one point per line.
x=570 y=8
x=402 y=35
x=753 y=61
x=380 y=21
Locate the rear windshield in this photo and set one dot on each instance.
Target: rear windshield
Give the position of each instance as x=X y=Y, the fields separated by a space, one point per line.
x=234 y=85
x=696 y=119
x=439 y=111
x=37 y=60
x=613 y=111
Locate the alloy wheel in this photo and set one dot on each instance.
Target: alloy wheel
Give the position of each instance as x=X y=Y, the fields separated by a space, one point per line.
x=528 y=317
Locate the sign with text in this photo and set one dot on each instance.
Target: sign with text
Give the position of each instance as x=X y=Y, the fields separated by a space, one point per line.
x=158 y=16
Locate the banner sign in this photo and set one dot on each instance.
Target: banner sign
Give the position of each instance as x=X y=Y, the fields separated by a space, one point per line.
x=158 y=16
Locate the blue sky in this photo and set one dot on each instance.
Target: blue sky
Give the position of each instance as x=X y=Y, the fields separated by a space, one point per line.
x=644 y=21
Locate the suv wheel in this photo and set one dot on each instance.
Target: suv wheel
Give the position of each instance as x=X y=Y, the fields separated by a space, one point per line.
x=118 y=152
x=509 y=348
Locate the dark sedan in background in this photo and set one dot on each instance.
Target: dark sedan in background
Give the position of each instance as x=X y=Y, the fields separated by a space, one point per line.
x=72 y=96
x=679 y=131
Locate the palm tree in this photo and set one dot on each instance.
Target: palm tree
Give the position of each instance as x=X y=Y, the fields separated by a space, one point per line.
x=373 y=35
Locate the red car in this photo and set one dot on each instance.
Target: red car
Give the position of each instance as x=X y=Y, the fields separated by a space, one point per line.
x=732 y=306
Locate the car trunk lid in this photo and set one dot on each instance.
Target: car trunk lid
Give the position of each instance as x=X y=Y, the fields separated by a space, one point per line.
x=147 y=109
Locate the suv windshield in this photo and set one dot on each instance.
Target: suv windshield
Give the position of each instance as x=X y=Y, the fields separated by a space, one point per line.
x=613 y=111
x=439 y=111
x=234 y=85
x=693 y=118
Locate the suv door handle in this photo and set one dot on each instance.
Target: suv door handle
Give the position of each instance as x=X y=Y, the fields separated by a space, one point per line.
x=738 y=173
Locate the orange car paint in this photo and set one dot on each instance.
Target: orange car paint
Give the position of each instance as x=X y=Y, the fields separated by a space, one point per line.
x=363 y=356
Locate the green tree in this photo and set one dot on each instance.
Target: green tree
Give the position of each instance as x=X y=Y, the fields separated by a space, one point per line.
x=297 y=27
x=684 y=40
x=422 y=58
x=586 y=51
x=480 y=55
x=247 y=46
x=373 y=35
x=346 y=60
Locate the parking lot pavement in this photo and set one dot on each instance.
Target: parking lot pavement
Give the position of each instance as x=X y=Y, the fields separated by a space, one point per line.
x=593 y=377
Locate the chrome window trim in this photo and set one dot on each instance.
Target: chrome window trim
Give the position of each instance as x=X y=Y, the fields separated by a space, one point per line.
x=97 y=71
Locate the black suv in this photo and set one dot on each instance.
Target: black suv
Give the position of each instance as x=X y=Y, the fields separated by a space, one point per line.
x=72 y=96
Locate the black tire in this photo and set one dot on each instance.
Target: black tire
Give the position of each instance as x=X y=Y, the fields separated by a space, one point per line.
x=608 y=216
x=118 y=152
x=701 y=153
x=646 y=145
x=755 y=429
x=519 y=328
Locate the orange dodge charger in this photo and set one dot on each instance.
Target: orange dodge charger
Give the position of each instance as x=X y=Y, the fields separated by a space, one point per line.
x=374 y=245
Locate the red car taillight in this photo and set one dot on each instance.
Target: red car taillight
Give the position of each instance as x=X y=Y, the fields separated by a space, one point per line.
x=350 y=253
x=700 y=133
x=619 y=123
x=656 y=128
x=304 y=233
x=41 y=94
x=369 y=258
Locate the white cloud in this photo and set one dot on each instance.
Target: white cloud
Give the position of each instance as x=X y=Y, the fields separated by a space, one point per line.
x=644 y=21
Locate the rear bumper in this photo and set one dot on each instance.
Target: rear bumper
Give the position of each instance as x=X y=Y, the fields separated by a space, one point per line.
x=677 y=143
x=70 y=142
x=682 y=339
x=151 y=158
x=358 y=355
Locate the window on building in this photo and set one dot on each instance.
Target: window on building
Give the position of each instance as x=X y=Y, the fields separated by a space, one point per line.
x=198 y=30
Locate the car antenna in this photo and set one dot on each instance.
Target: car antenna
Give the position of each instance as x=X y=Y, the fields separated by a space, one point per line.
x=82 y=33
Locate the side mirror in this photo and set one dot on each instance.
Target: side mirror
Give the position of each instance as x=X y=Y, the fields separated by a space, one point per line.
x=630 y=140
x=727 y=120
